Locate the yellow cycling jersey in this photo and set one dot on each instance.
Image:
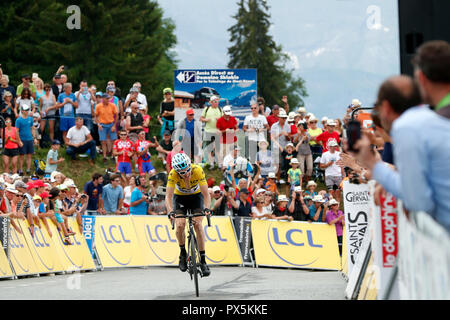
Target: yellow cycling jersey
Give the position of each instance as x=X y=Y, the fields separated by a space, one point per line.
x=196 y=180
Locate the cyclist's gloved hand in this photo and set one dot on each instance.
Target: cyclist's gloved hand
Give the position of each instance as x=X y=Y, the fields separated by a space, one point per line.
x=171 y=215
x=207 y=211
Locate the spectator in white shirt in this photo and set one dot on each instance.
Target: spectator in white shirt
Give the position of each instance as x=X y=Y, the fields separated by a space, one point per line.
x=333 y=173
x=79 y=140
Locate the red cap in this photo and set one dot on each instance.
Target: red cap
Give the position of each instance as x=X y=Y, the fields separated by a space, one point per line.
x=39 y=184
x=44 y=194
x=30 y=185
x=189 y=111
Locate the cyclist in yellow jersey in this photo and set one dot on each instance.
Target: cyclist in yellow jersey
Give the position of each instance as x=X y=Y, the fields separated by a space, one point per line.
x=187 y=189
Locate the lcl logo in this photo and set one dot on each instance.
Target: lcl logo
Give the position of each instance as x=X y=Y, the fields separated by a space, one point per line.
x=292 y=237
x=116 y=238
x=111 y=237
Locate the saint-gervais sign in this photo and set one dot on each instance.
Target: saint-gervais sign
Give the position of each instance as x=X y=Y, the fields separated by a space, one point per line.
x=356 y=210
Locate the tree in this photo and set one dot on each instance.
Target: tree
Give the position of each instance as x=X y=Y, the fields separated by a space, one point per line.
x=253 y=47
x=121 y=40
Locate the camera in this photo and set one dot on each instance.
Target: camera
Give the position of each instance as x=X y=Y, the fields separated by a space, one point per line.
x=226 y=188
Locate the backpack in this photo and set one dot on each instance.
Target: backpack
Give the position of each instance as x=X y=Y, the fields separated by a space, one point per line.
x=40 y=167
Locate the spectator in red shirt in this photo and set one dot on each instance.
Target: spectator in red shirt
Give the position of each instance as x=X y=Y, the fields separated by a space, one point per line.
x=273 y=118
x=325 y=136
x=227 y=125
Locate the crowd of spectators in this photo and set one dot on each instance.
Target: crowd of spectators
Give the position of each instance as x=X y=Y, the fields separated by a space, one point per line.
x=274 y=174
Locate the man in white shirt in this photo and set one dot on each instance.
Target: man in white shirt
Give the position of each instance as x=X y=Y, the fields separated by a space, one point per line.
x=79 y=140
x=141 y=99
x=255 y=127
x=333 y=173
x=85 y=108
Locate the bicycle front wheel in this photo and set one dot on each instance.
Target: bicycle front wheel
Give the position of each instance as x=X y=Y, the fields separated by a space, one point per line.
x=195 y=262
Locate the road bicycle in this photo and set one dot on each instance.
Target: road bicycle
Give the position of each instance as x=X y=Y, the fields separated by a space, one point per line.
x=193 y=253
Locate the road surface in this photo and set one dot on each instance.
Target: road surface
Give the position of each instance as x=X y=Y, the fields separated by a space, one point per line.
x=168 y=283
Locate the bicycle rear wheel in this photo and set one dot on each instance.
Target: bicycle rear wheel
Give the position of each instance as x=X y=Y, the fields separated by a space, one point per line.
x=194 y=256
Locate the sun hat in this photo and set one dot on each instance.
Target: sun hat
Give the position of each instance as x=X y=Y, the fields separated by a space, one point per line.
x=289 y=144
x=292 y=115
x=261 y=190
x=356 y=103
x=12 y=190
x=318 y=198
x=167 y=90
x=263 y=142
x=331 y=122
x=294 y=160
x=283 y=198
x=215 y=188
x=227 y=110
x=332 y=143
x=282 y=114
x=271 y=175
x=298 y=189
x=301 y=110
x=311 y=183
x=332 y=202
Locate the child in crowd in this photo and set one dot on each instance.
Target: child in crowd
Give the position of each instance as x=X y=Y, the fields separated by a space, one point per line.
x=295 y=176
x=141 y=147
x=310 y=189
x=52 y=158
x=271 y=184
x=43 y=210
x=56 y=206
x=287 y=154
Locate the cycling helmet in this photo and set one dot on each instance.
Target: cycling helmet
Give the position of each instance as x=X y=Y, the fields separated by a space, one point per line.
x=181 y=162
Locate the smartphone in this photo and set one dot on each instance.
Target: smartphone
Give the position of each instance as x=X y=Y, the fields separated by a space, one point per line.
x=353 y=134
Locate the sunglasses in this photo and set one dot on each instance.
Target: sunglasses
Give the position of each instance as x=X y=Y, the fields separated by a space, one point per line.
x=183 y=173
x=254 y=108
x=47 y=89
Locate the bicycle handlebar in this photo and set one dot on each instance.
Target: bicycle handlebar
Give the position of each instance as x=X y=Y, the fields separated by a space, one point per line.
x=208 y=217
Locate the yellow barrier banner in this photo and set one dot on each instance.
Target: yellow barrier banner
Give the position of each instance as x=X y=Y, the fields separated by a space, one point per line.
x=74 y=257
x=116 y=243
x=220 y=242
x=19 y=253
x=295 y=244
x=42 y=248
x=5 y=268
x=157 y=239
x=344 y=259
x=159 y=242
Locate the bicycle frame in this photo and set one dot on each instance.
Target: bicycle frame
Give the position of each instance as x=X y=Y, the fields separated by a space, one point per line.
x=193 y=254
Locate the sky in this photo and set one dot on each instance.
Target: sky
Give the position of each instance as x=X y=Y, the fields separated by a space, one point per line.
x=343 y=49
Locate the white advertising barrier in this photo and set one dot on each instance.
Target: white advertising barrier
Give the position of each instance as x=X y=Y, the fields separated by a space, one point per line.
x=359 y=269
x=356 y=211
x=384 y=231
x=423 y=258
